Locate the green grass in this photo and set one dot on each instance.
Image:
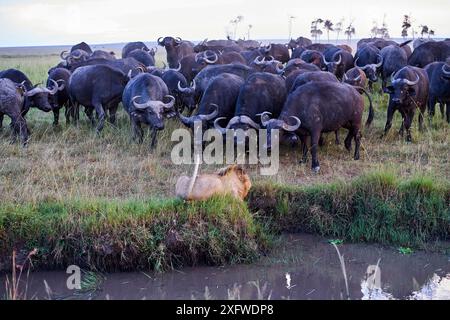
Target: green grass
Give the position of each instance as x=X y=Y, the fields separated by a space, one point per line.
x=377 y=207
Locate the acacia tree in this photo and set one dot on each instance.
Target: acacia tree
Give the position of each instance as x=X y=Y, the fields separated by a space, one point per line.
x=328 y=25
x=250 y=26
x=338 y=28
x=406 y=25
x=424 y=30
x=350 y=31
x=430 y=33
x=235 y=22
x=315 y=30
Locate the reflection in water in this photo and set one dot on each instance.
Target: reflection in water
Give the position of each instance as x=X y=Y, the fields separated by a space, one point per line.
x=303 y=267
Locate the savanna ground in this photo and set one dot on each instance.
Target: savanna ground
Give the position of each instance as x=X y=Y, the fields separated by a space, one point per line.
x=65 y=162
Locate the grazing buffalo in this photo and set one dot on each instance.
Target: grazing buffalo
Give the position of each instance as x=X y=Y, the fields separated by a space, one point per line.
x=313 y=57
x=341 y=61
x=356 y=77
x=143 y=56
x=98 y=87
x=61 y=97
x=316 y=108
x=179 y=88
x=429 y=52
x=131 y=46
x=11 y=101
x=35 y=97
x=369 y=59
x=394 y=59
x=143 y=101
x=218 y=101
x=262 y=92
x=439 y=76
x=176 y=49
x=407 y=92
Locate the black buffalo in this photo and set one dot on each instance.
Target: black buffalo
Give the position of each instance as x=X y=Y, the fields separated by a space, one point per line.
x=316 y=108
x=356 y=77
x=408 y=91
x=439 y=76
x=369 y=59
x=11 y=101
x=180 y=89
x=218 y=101
x=143 y=101
x=61 y=97
x=99 y=88
x=131 y=46
x=341 y=61
x=429 y=52
x=394 y=59
x=176 y=49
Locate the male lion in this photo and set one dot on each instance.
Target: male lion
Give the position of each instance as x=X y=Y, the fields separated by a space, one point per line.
x=231 y=180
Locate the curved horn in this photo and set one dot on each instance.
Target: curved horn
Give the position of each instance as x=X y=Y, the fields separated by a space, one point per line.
x=265 y=118
x=356 y=63
x=160 y=41
x=207 y=60
x=193 y=85
x=446 y=73
x=346 y=78
x=413 y=83
x=259 y=60
x=340 y=59
x=181 y=89
x=54 y=89
x=212 y=115
x=280 y=70
x=218 y=127
x=250 y=122
x=170 y=104
x=379 y=64
x=62 y=86
x=80 y=54
x=178 y=68
x=129 y=74
x=325 y=60
x=295 y=127
x=64 y=55
x=268 y=48
x=139 y=106
x=178 y=40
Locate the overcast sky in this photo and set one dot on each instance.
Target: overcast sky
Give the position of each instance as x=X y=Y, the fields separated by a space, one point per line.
x=54 y=22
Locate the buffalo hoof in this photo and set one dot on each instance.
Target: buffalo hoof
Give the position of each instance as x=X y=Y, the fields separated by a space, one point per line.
x=316 y=169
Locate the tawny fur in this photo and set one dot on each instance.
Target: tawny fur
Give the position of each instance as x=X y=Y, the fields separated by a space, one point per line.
x=231 y=180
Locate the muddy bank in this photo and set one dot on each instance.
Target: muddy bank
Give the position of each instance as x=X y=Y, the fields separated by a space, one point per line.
x=165 y=234
x=311 y=263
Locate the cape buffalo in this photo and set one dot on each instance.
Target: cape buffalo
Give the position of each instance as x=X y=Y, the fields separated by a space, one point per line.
x=180 y=89
x=98 y=87
x=131 y=46
x=408 y=91
x=439 y=76
x=61 y=97
x=316 y=108
x=176 y=49
x=143 y=101
x=394 y=59
x=11 y=101
x=356 y=77
x=429 y=52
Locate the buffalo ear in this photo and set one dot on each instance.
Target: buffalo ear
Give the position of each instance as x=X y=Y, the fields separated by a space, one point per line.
x=389 y=89
x=412 y=92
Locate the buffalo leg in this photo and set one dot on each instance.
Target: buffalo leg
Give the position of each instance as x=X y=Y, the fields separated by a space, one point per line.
x=137 y=131
x=421 y=112
x=100 y=115
x=67 y=112
x=154 y=136
x=348 y=140
x=357 y=136
x=90 y=114
x=304 y=147
x=338 y=141
x=315 y=136
x=1 y=121
x=448 y=112
x=390 y=116
x=112 y=113
x=55 y=116
x=407 y=122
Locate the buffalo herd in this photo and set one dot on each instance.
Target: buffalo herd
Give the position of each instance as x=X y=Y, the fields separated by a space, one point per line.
x=303 y=89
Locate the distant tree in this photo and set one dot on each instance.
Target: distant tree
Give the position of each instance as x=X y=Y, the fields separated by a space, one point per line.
x=315 y=30
x=291 y=20
x=424 y=30
x=249 y=27
x=338 y=28
x=430 y=33
x=235 y=22
x=406 y=25
x=328 y=25
x=350 y=31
